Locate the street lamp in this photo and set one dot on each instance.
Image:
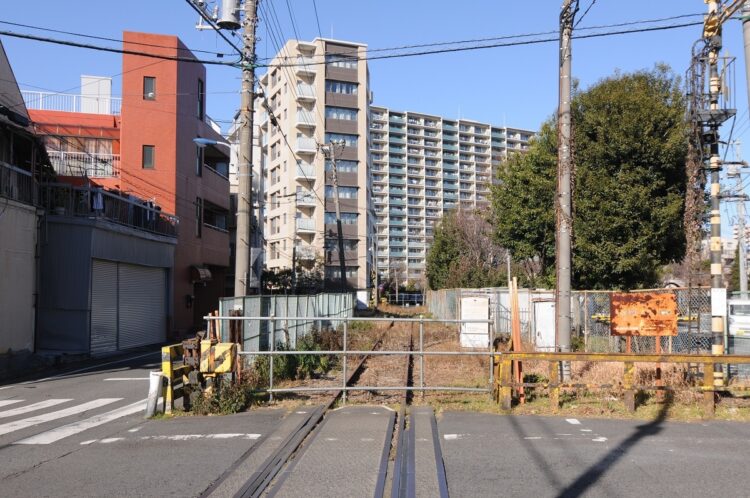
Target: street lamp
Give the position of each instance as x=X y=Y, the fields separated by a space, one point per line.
x=203 y=142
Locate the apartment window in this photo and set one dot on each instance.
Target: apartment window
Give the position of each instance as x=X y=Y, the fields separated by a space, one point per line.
x=348 y=140
x=344 y=192
x=342 y=166
x=201 y=99
x=199 y=160
x=334 y=272
x=215 y=216
x=148 y=157
x=341 y=113
x=343 y=87
x=342 y=61
x=198 y=216
x=149 y=88
x=346 y=218
x=332 y=244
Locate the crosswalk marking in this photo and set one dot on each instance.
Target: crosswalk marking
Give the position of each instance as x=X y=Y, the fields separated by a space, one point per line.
x=74 y=428
x=33 y=407
x=6 y=402
x=47 y=417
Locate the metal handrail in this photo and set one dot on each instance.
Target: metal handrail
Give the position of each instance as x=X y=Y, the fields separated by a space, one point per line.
x=419 y=352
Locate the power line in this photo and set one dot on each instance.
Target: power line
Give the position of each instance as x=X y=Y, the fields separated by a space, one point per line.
x=584 y=13
x=496 y=45
x=55 y=41
x=317 y=19
x=105 y=38
x=526 y=35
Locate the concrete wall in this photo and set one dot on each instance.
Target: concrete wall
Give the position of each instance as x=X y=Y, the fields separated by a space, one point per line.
x=17 y=275
x=67 y=247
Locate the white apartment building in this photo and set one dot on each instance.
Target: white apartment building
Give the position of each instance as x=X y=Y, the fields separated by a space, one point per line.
x=317 y=93
x=422 y=167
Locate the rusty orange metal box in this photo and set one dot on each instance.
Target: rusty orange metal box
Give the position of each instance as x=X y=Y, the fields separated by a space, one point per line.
x=643 y=314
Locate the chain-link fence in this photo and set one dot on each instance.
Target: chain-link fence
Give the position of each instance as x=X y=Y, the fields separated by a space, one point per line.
x=693 y=323
x=590 y=317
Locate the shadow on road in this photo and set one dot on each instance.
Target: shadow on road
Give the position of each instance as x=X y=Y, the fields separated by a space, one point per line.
x=594 y=473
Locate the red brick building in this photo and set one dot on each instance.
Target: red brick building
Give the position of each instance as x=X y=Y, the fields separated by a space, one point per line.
x=148 y=151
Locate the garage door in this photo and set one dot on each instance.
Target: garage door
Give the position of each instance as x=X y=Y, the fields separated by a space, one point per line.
x=103 y=307
x=142 y=299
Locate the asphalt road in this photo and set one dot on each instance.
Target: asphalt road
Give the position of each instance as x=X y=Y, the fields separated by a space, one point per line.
x=83 y=434
x=490 y=455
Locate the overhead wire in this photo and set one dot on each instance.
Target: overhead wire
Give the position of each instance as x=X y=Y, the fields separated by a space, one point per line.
x=497 y=45
x=527 y=35
x=106 y=38
x=55 y=41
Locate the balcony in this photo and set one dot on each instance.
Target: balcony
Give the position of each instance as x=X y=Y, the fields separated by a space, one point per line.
x=305 y=66
x=66 y=200
x=17 y=184
x=85 y=164
x=305 y=225
x=305 y=92
x=306 y=199
x=305 y=171
x=397 y=140
x=305 y=252
x=306 y=145
x=397 y=180
x=394 y=118
x=305 y=119
x=51 y=101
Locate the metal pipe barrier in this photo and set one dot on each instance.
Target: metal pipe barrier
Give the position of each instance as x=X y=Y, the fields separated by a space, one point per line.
x=175 y=373
x=345 y=352
x=504 y=385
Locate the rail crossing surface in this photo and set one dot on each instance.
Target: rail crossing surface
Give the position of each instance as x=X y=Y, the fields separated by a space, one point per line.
x=84 y=434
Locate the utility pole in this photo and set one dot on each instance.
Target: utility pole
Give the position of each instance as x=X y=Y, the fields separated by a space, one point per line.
x=563 y=211
x=741 y=206
x=330 y=150
x=713 y=40
x=245 y=272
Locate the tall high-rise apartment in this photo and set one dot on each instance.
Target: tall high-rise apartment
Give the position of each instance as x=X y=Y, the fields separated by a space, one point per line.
x=422 y=167
x=317 y=93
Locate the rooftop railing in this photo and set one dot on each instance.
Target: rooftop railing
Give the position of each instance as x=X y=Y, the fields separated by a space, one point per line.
x=94 y=203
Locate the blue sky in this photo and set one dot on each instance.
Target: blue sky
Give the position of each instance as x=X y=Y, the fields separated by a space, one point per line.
x=512 y=85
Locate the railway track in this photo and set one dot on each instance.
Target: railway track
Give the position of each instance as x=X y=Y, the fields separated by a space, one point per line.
x=396 y=459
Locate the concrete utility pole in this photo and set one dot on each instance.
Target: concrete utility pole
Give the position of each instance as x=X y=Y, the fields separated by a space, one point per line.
x=741 y=206
x=245 y=272
x=563 y=211
x=330 y=151
x=717 y=268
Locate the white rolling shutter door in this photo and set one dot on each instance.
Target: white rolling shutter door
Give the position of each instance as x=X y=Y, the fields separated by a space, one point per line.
x=103 y=307
x=142 y=305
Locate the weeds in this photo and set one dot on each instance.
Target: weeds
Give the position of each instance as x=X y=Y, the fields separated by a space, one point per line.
x=229 y=398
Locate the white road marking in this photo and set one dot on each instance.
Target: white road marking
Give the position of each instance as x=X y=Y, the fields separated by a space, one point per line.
x=74 y=428
x=564 y=434
x=66 y=374
x=135 y=429
x=599 y=439
x=110 y=440
x=331 y=439
x=451 y=437
x=125 y=378
x=585 y=430
x=367 y=439
x=32 y=407
x=6 y=402
x=533 y=437
x=89 y=441
x=190 y=437
x=47 y=417
x=573 y=421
